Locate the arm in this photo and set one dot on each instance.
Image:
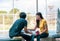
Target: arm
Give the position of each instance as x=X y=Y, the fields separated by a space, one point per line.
x=26 y=30
x=25 y=27
x=33 y=29
x=45 y=27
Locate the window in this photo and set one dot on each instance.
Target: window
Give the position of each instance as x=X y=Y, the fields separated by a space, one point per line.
x=28 y=6
x=6 y=19
x=10 y=10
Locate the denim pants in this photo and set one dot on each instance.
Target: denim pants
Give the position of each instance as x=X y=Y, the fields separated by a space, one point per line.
x=26 y=37
x=43 y=35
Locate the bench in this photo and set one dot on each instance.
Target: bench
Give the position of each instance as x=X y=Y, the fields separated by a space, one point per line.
x=49 y=38
x=18 y=38
x=55 y=37
x=13 y=39
x=42 y=39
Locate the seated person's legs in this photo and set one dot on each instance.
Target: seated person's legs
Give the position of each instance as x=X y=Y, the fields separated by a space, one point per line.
x=32 y=37
x=26 y=37
x=43 y=35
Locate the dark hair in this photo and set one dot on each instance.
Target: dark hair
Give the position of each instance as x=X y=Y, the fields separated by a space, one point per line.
x=39 y=14
x=38 y=21
x=22 y=15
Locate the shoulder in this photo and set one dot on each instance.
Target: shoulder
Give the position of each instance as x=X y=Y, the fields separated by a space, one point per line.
x=43 y=20
x=24 y=20
x=17 y=20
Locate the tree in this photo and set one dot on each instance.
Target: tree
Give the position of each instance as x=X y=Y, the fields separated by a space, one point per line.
x=1 y=12
x=15 y=10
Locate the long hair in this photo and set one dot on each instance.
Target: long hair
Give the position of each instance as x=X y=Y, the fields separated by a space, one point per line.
x=38 y=21
x=39 y=14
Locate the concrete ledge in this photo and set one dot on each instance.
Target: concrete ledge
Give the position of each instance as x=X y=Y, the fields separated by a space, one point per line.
x=48 y=39
x=18 y=38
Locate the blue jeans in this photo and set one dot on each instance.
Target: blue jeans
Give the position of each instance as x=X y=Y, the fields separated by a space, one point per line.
x=26 y=37
x=43 y=35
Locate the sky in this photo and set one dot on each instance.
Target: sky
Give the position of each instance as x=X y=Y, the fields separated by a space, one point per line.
x=28 y=5
x=6 y=5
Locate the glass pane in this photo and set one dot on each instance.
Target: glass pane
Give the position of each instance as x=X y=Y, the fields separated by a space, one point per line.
x=1 y=19
x=5 y=6
x=52 y=14
x=8 y=19
x=25 y=6
x=31 y=21
x=42 y=7
x=28 y=6
x=5 y=19
x=1 y=22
